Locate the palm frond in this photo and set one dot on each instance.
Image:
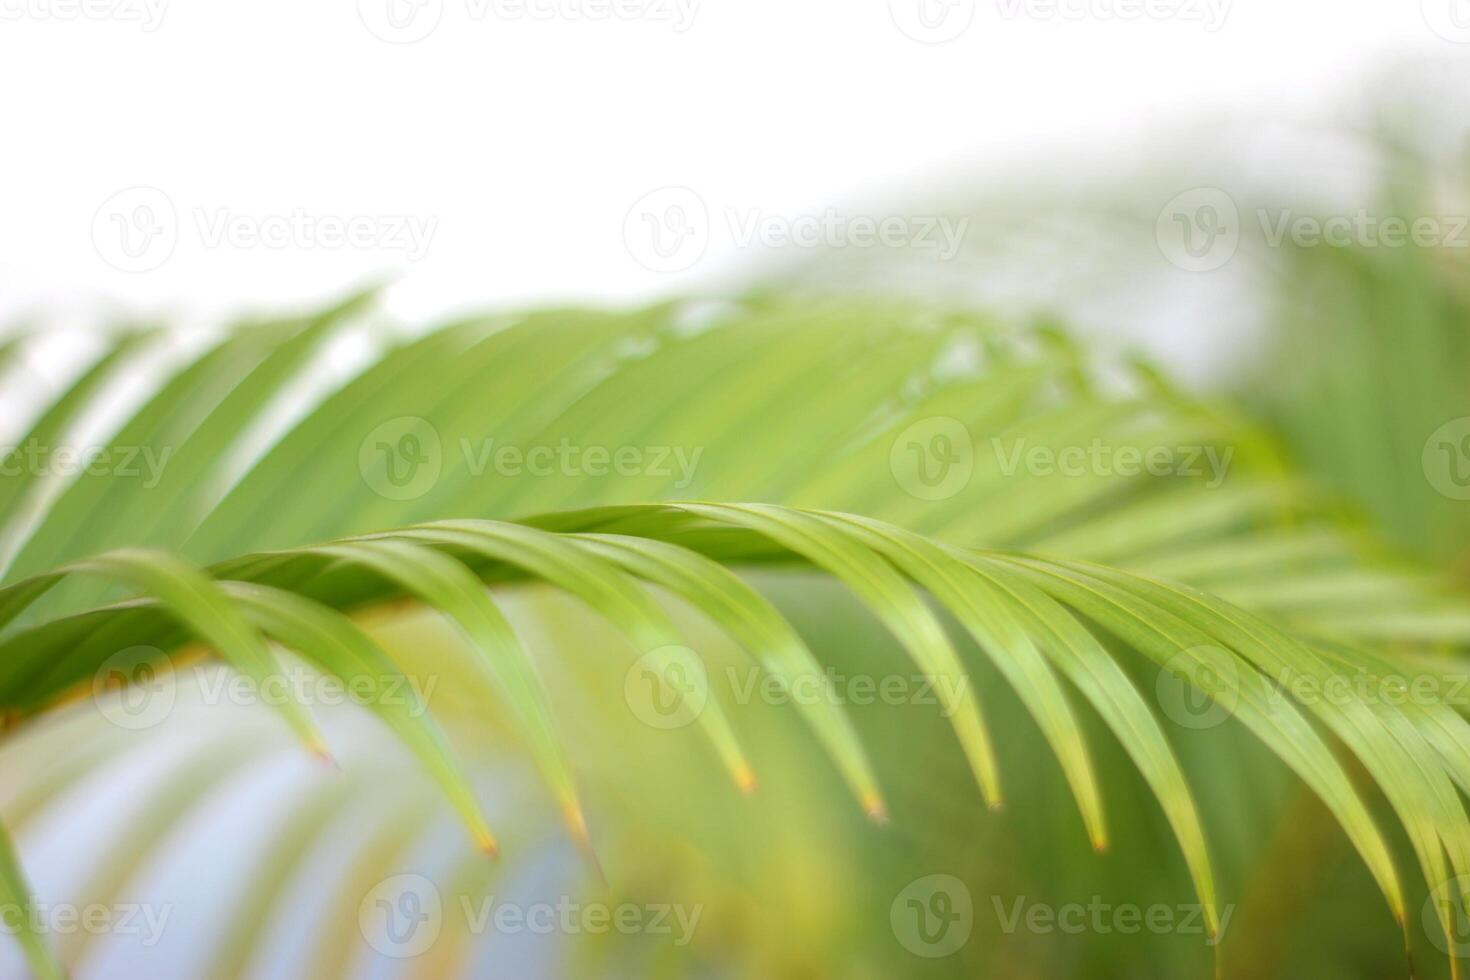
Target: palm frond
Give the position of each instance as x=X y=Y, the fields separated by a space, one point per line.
x=805 y=431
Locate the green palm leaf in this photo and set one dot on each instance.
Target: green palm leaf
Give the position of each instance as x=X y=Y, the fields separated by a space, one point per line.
x=809 y=434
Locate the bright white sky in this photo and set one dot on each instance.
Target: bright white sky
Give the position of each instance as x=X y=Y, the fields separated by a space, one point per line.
x=517 y=134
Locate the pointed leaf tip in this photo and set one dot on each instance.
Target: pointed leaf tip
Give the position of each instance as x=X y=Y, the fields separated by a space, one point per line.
x=745 y=779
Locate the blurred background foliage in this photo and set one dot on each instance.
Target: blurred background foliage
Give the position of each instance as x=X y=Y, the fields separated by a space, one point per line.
x=1326 y=368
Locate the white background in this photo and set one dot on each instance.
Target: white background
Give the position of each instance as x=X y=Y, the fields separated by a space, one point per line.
x=526 y=140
